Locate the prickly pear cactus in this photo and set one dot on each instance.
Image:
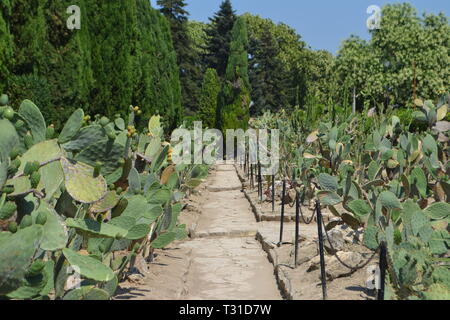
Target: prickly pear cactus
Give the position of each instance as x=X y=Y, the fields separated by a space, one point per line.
x=70 y=199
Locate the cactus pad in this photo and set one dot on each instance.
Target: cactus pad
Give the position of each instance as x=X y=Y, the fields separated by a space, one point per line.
x=88 y=267
x=72 y=126
x=8 y=138
x=31 y=114
x=16 y=255
x=107 y=203
x=81 y=183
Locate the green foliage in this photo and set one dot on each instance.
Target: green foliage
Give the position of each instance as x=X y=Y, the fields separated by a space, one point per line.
x=390 y=181
x=219 y=36
x=408 y=55
x=208 y=98
x=70 y=203
x=235 y=101
x=187 y=57
x=62 y=70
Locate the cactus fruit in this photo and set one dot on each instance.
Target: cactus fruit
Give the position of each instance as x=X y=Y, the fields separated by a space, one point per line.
x=8 y=113
x=31 y=167
x=50 y=133
x=14 y=154
x=19 y=124
x=35 y=179
x=14 y=167
x=7 y=210
x=97 y=168
x=26 y=222
x=4 y=100
x=8 y=189
x=41 y=218
x=28 y=141
x=131 y=131
x=169 y=155
x=36 y=268
x=12 y=227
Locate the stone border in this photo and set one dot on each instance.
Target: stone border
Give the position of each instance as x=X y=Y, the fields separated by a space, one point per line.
x=283 y=280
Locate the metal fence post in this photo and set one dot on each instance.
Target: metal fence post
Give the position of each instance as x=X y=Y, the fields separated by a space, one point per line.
x=321 y=251
x=283 y=195
x=273 y=193
x=383 y=266
x=297 y=221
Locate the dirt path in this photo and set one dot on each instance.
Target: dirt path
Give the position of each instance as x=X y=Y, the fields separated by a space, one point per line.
x=230 y=256
x=223 y=261
x=227 y=261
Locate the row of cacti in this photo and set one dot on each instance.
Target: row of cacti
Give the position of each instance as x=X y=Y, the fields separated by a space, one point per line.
x=71 y=202
x=392 y=182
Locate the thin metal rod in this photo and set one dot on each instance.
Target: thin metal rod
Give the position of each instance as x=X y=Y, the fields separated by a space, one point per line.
x=273 y=193
x=260 y=187
x=283 y=195
x=383 y=265
x=251 y=176
x=297 y=222
x=321 y=251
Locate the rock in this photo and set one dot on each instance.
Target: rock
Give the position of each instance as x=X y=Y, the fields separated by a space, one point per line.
x=307 y=252
x=140 y=266
x=349 y=235
x=314 y=263
x=336 y=237
x=289 y=196
x=334 y=269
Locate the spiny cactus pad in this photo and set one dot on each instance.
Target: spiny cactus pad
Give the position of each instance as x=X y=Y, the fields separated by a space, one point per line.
x=81 y=183
x=96 y=229
x=31 y=114
x=8 y=138
x=72 y=126
x=107 y=203
x=55 y=236
x=16 y=254
x=88 y=267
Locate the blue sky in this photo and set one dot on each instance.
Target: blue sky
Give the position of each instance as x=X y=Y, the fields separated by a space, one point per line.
x=323 y=24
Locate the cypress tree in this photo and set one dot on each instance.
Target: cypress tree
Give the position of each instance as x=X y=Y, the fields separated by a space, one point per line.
x=28 y=28
x=114 y=41
x=187 y=58
x=267 y=74
x=209 y=97
x=169 y=89
x=219 y=34
x=6 y=44
x=234 y=111
x=68 y=66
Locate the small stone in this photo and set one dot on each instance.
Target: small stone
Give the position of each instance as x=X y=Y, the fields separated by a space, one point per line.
x=335 y=269
x=307 y=252
x=336 y=237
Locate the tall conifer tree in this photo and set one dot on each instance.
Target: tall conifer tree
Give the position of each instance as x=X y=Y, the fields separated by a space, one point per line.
x=267 y=74
x=234 y=113
x=219 y=34
x=6 y=44
x=187 y=57
x=208 y=98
